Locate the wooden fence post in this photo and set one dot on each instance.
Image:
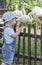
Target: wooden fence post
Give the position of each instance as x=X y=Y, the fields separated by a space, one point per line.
x=24 y=47
x=41 y=42
x=18 y=57
x=29 y=46
x=35 y=53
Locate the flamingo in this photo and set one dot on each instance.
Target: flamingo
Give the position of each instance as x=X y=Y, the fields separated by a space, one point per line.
x=36 y=12
x=25 y=18
x=17 y=12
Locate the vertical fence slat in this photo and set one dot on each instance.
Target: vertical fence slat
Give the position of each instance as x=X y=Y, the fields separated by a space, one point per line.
x=24 y=47
x=35 y=45
x=29 y=46
x=0 y=47
x=18 y=50
x=41 y=43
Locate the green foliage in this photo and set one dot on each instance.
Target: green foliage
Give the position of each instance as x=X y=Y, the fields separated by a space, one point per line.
x=40 y=18
x=11 y=4
x=31 y=3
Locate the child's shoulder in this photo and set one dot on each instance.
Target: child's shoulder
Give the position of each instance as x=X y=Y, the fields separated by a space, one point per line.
x=7 y=28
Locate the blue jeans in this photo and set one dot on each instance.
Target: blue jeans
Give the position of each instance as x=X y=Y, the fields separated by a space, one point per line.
x=8 y=54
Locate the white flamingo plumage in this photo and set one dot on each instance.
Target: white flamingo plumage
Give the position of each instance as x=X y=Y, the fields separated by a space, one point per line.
x=22 y=14
x=17 y=12
x=25 y=18
x=36 y=11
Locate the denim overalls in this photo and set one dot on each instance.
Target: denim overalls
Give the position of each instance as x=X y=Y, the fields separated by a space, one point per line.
x=8 y=51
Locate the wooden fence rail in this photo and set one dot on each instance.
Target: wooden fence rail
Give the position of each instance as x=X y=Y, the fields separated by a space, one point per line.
x=23 y=55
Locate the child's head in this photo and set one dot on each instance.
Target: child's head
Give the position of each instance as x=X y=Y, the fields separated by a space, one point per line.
x=9 y=18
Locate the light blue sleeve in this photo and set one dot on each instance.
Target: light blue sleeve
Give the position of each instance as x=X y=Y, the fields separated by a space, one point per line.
x=7 y=35
x=10 y=31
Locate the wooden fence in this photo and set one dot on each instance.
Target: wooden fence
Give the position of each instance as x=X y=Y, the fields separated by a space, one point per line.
x=2 y=10
x=23 y=55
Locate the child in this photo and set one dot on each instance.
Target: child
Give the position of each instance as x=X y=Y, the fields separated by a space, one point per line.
x=9 y=38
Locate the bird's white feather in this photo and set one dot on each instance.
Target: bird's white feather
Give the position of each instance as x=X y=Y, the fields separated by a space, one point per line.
x=24 y=18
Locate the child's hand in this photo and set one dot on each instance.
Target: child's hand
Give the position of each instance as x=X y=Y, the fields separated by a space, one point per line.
x=19 y=29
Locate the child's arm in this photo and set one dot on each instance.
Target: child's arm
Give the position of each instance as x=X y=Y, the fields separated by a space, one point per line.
x=17 y=33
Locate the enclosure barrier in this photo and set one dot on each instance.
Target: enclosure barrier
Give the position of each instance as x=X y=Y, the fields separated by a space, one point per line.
x=22 y=54
x=2 y=10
